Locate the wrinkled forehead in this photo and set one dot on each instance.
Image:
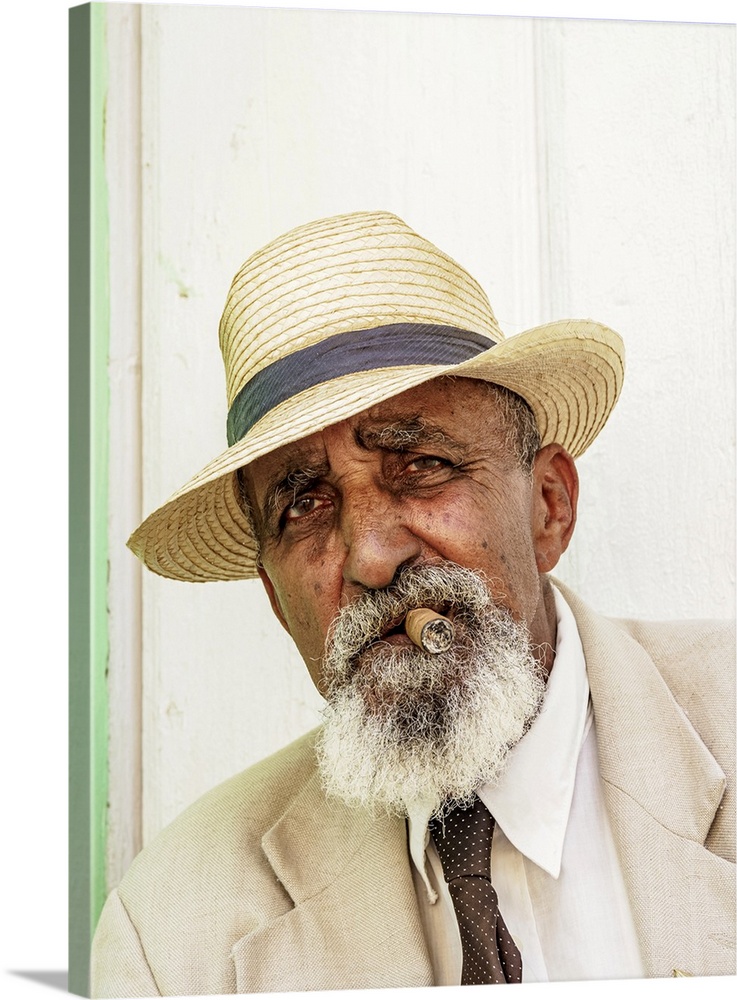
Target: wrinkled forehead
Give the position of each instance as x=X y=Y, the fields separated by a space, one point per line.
x=447 y=410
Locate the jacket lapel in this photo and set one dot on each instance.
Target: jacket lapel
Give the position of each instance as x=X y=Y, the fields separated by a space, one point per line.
x=663 y=788
x=355 y=922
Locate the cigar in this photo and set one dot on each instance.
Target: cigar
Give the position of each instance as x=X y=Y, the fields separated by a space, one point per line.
x=429 y=630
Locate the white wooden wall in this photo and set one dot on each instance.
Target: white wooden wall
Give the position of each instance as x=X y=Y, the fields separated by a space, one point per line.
x=577 y=168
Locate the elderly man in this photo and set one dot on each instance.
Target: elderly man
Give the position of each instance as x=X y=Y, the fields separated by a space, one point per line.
x=523 y=791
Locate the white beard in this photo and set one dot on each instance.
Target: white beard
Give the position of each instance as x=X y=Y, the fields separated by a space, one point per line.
x=404 y=729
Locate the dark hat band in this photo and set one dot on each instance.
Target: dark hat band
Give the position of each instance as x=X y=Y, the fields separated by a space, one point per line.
x=356 y=351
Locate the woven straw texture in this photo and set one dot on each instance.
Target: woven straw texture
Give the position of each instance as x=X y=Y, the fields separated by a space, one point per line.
x=360 y=272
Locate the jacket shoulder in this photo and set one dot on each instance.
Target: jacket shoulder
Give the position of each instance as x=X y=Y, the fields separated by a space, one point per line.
x=204 y=881
x=242 y=807
x=696 y=659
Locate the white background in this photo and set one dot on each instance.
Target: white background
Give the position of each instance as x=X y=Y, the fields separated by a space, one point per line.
x=577 y=168
x=34 y=498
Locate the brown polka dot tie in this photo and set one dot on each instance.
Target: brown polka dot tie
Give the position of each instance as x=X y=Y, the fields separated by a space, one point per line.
x=463 y=842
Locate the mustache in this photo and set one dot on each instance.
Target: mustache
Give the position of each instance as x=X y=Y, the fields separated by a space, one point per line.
x=445 y=587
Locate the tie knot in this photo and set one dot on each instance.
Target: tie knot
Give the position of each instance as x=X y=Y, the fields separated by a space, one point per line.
x=463 y=841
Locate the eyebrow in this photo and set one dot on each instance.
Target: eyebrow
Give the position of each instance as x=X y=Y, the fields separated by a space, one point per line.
x=402 y=434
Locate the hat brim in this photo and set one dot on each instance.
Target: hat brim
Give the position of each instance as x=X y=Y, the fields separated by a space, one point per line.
x=570 y=373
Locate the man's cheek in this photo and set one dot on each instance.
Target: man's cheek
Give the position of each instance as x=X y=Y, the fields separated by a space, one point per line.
x=307 y=628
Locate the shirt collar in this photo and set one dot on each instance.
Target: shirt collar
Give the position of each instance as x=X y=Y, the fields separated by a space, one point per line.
x=532 y=801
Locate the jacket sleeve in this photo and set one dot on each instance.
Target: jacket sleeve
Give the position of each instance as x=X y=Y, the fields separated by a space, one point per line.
x=118 y=965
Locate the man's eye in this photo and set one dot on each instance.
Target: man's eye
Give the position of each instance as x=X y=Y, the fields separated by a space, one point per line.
x=301 y=507
x=424 y=463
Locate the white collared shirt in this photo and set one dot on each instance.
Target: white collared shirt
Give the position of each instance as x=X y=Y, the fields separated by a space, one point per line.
x=554 y=863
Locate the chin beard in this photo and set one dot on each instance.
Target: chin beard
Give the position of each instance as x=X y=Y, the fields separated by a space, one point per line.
x=404 y=729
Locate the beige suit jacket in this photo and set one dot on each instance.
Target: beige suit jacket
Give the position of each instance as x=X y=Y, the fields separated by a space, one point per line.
x=263 y=885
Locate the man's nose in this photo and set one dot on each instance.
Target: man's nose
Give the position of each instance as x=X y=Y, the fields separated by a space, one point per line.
x=378 y=541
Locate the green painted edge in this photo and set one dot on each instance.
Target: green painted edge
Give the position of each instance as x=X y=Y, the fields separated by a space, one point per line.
x=99 y=388
x=101 y=403
x=89 y=305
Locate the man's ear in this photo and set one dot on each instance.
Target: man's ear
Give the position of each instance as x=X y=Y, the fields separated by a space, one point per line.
x=273 y=599
x=555 y=499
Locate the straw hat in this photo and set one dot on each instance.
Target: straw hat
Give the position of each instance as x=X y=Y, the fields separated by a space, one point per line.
x=341 y=314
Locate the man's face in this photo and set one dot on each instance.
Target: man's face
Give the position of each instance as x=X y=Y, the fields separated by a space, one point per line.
x=422 y=478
